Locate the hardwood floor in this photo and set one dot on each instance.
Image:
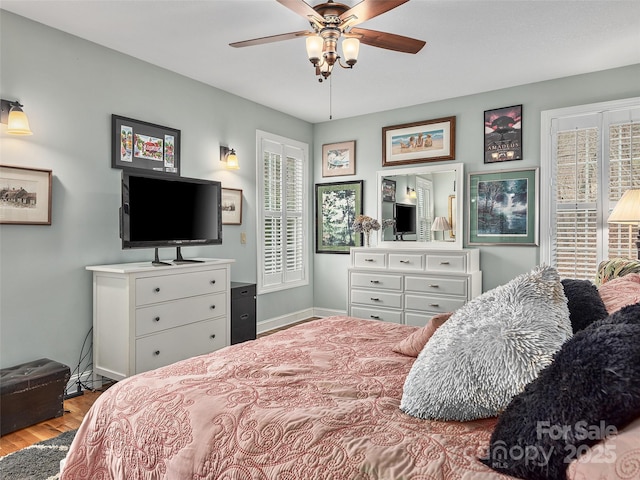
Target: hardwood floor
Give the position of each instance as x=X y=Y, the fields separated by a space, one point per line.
x=75 y=410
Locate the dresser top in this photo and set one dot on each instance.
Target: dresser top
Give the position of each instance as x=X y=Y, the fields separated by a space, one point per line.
x=149 y=267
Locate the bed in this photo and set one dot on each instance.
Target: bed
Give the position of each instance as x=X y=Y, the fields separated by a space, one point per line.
x=319 y=400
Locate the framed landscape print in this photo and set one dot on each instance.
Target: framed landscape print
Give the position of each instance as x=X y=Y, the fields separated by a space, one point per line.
x=337 y=206
x=25 y=196
x=418 y=142
x=231 y=206
x=503 y=207
x=137 y=144
x=503 y=134
x=339 y=159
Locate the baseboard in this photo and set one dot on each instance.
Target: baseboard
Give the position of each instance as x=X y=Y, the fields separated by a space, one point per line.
x=72 y=386
x=295 y=317
x=326 y=312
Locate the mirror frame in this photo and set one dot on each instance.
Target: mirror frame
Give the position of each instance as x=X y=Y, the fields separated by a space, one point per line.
x=456 y=244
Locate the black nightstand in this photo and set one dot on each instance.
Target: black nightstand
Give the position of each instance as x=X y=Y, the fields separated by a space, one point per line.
x=243 y=312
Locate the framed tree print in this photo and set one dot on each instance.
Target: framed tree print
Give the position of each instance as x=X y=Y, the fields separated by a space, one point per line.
x=503 y=207
x=337 y=206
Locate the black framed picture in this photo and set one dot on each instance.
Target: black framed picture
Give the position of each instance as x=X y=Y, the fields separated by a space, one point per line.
x=337 y=206
x=143 y=145
x=388 y=190
x=503 y=134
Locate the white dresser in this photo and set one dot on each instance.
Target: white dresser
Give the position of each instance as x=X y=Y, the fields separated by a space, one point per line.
x=146 y=316
x=410 y=286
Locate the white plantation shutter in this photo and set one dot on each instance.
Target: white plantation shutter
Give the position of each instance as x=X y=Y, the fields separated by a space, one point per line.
x=593 y=158
x=424 y=202
x=282 y=250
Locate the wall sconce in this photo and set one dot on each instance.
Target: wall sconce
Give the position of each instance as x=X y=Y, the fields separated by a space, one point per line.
x=411 y=192
x=228 y=156
x=11 y=114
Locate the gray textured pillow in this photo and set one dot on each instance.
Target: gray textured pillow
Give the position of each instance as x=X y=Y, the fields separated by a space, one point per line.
x=489 y=350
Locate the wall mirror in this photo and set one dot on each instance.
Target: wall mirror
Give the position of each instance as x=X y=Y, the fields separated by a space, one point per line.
x=426 y=204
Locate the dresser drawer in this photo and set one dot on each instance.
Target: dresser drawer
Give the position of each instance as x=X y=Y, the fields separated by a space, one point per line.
x=161 y=316
x=370 y=260
x=441 y=285
x=432 y=303
x=446 y=263
x=377 y=314
x=405 y=261
x=376 y=280
x=417 y=319
x=169 y=287
x=179 y=343
x=378 y=298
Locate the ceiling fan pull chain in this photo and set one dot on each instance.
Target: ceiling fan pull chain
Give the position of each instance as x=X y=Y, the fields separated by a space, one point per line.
x=330 y=98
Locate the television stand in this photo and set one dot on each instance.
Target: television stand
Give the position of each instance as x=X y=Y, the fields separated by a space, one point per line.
x=180 y=260
x=156 y=261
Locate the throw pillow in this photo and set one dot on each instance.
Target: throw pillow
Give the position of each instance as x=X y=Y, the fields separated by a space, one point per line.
x=590 y=391
x=614 y=268
x=414 y=343
x=489 y=350
x=585 y=304
x=620 y=291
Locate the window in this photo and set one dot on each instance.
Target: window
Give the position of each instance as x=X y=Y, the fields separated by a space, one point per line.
x=282 y=219
x=590 y=157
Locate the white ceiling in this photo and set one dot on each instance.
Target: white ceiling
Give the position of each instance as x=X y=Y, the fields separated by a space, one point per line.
x=472 y=46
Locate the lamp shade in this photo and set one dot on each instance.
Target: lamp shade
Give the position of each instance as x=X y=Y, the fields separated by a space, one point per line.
x=440 y=224
x=232 y=161
x=18 y=123
x=315 y=44
x=350 y=49
x=627 y=209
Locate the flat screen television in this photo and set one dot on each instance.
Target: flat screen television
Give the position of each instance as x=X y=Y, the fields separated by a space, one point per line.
x=405 y=216
x=164 y=211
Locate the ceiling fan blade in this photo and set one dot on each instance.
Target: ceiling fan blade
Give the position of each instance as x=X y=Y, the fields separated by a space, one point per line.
x=368 y=9
x=301 y=8
x=270 y=39
x=390 y=41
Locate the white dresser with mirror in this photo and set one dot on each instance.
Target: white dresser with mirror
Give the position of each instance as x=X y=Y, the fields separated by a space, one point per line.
x=415 y=272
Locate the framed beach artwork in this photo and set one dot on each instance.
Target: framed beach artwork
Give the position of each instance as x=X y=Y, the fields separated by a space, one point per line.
x=337 y=206
x=25 y=196
x=503 y=207
x=503 y=134
x=419 y=142
x=231 y=206
x=339 y=159
x=143 y=145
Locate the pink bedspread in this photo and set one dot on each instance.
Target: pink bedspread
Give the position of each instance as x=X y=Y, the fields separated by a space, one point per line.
x=317 y=401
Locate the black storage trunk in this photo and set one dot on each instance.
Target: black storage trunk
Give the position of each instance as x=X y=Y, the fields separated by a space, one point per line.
x=31 y=393
x=243 y=312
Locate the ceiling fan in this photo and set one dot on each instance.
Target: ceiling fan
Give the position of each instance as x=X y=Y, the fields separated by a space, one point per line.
x=330 y=21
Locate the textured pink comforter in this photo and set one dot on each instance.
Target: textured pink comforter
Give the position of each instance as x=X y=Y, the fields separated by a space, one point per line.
x=317 y=401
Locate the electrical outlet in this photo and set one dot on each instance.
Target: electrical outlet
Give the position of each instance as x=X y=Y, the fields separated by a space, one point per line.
x=243 y=238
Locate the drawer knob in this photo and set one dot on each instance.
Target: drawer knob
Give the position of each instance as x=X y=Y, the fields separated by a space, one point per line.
x=244 y=292
x=213 y=282
x=244 y=317
x=434 y=285
x=444 y=263
x=156 y=353
x=404 y=261
x=375 y=299
x=434 y=305
x=213 y=307
x=213 y=335
x=376 y=317
x=369 y=260
x=375 y=281
x=157 y=319
x=157 y=289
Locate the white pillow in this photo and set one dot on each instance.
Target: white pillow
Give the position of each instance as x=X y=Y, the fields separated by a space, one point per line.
x=489 y=350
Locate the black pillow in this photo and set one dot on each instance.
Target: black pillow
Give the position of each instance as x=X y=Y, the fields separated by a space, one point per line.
x=585 y=304
x=591 y=390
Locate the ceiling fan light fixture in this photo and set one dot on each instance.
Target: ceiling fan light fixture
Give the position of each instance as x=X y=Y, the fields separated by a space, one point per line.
x=350 y=50
x=315 y=45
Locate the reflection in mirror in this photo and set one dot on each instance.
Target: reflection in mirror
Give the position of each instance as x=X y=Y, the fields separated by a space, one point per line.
x=426 y=204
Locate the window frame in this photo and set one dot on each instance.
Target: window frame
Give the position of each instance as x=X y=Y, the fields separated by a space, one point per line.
x=285 y=144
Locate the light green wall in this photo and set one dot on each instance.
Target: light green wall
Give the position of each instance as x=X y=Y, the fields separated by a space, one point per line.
x=501 y=263
x=70 y=88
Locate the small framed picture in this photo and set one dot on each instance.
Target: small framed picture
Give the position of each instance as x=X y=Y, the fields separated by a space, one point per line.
x=231 y=206
x=503 y=207
x=137 y=144
x=25 y=196
x=419 y=142
x=337 y=206
x=503 y=134
x=388 y=190
x=339 y=159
